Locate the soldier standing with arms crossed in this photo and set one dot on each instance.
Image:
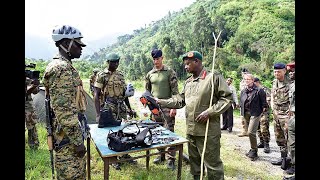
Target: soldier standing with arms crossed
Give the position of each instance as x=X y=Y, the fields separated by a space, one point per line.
x=280 y=105
x=196 y=97
x=162 y=82
x=62 y=82
x=111 y=87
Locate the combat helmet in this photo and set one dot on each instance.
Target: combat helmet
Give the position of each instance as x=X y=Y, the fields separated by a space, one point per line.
x=113 y=57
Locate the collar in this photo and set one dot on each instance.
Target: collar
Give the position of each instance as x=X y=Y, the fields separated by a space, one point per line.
x=164 y=68
x=202 y=74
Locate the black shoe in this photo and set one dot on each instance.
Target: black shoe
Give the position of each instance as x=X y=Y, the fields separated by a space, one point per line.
x=224 y=128
x=261 y=144
x=252 y=154
x=266 y=148
x=171 y=165
x=277 y=162
x=116 y=166
x=230 y=129
x=160 y=159
x=290 y=171
x=185 y=158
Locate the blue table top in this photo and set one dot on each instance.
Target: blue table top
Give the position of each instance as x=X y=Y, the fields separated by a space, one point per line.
x=99 y=137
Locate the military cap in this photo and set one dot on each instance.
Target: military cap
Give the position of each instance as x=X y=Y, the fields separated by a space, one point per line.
x=256 y=79
x=113 y=57
x=279 y=66
x=291 y=65
x=192 y=54
x=155 y=53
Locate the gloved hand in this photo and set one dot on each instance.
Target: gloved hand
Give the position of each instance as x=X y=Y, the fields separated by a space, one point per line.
x=80 y=150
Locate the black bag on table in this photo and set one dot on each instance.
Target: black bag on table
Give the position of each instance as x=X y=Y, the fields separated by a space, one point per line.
x=123 y=141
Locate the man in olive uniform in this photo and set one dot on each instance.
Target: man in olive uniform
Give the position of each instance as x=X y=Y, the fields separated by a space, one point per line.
x=62 y=83
x=111 y=86
x=196 y=96
x=31 y=86
x=280 y=106
x=290 y=173
x=263 y=129
x=162 y=82
x=92 y=80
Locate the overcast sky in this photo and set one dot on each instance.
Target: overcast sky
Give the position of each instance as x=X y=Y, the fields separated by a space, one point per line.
x=96 y=18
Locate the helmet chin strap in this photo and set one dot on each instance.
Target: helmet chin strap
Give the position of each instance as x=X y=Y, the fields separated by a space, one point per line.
x=67 y=50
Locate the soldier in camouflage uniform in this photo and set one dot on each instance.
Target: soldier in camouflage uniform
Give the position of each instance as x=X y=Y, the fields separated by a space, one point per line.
x=61 y=81
x=162 y=82
x=196 y=97
x=290 y=173
x=31 y=86
x=110 y=86
x=263 y=129
x=92 y=80
x=280 y=106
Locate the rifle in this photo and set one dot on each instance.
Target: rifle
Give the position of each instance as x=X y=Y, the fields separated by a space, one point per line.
x=49 y=118
x=86 y=135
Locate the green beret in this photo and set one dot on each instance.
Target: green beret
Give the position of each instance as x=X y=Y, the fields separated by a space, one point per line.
x=113 y=57
x=192 y=54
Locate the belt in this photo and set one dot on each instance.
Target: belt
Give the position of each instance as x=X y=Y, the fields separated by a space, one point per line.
x=282 y=107
x=114 y=100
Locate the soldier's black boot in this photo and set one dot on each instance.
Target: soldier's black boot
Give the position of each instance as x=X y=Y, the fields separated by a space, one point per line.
x=290 y=170
x=160 y=159
x=107 y=119
x=278 y=162
x=131 y=161
x=266 y=148
x=171 y=165
x=261 y=144
x=252 y=154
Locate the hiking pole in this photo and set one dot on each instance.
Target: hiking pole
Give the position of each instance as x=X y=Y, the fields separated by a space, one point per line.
x=207 y=125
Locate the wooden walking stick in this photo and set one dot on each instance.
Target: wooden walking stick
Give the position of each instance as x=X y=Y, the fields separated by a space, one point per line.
x=207 y=126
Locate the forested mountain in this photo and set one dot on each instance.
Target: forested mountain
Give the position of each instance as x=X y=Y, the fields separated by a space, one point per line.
x=255 y=34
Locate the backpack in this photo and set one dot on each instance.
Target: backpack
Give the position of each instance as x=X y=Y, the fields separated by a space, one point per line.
x=122 y=141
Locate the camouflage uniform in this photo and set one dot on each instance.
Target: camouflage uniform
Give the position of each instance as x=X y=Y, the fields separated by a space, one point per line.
x=92 y=80
x=62 y=79
x=263 y=130
x=291 y=123
x=112 y=86
x=31 y=118
x=196 y=97
x=163 y=84
x=280 y=106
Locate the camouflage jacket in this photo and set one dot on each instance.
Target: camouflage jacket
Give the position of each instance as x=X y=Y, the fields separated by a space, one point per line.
x=292 y=96
x=196 y=96
x=162 y=83
x=62 y=80
x=280 y=95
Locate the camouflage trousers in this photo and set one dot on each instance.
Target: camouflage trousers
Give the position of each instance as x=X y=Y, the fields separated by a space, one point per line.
x=119 y=111
x=168 y=123
x=280 y=117
x=31 y=121
x=212 y=160
x=68 y=166
x=292 y=138
x=263 y=129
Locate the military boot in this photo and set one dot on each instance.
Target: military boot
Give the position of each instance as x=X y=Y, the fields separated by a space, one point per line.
x=171 y=165
x=127 y=156
x=278 y=162
x=107 y=119
x=160 y=159
x=252 y=154
x=290 y=170
x=266 y=148
x=261 y=144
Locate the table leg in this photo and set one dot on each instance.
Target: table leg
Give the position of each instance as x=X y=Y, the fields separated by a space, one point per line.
x=147 y=159
x=106 y=162
x=88 y=159
x=180 y=147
